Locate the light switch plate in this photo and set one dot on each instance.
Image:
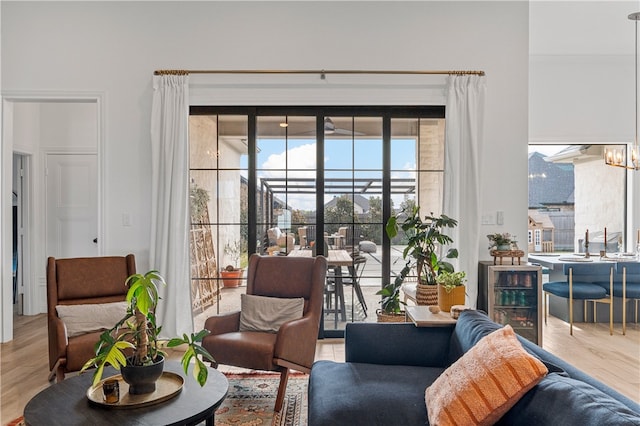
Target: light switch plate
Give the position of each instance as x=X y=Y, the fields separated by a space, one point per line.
x=488 y=219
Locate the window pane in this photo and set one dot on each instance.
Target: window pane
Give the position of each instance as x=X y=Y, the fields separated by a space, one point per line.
x=202 y=196
x=431 y=144
x=430 y=192
x=368 y=146
x=571 y=189
x=203 y=141
x=232 y=141
x=404 y=135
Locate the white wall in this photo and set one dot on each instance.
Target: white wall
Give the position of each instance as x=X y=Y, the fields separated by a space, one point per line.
x=113 y=47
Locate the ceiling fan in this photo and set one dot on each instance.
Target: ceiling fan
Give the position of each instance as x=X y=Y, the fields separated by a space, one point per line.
x=331 y=129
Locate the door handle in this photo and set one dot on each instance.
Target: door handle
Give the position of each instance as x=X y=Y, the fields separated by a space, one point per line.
x=95 y=240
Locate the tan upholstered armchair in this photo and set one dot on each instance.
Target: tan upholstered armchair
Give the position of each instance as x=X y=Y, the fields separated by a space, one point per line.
x=281 y=239
x=294 y=344
x=81 y=281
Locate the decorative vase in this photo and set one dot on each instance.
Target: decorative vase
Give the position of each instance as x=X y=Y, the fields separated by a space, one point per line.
x=426 y=294
x=142 y=378
x=504 y=247
x=231 y=278
x=453 y=297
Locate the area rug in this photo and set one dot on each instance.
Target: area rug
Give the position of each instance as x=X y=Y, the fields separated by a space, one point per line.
x=251 y=398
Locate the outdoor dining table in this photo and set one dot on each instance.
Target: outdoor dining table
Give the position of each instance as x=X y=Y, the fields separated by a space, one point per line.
x=335 y=259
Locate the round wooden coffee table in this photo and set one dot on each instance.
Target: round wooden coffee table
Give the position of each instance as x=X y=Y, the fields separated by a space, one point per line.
x=66 y=403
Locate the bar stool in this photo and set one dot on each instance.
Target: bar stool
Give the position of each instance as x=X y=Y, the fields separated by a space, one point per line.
x=581 y=284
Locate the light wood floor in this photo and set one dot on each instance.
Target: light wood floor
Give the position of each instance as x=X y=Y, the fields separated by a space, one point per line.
x=615 y=360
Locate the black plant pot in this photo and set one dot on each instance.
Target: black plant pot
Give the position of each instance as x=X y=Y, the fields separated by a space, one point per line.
x=142 y=378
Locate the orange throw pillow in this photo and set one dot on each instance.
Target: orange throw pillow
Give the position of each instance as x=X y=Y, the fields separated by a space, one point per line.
x=484 y=383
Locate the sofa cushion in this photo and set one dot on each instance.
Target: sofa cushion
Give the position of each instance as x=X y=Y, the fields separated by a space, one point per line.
x=485 y=383
x=260 y=313
x=562 y=400
x=581 y=290
x=470 y=328
x=368 y=394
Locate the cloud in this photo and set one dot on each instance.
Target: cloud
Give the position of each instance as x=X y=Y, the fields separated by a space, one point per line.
x=300 y=157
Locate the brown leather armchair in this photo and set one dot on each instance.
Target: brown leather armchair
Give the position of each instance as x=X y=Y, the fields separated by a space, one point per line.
x=294 y=345
x=77 y=281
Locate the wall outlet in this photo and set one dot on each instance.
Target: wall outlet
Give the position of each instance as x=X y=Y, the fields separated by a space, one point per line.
x=500 y=217
x=126 y=219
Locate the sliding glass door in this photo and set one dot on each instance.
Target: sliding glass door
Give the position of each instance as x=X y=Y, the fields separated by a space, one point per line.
x=278 y=180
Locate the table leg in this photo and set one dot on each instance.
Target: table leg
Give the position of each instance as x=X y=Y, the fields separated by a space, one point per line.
x=340 y=293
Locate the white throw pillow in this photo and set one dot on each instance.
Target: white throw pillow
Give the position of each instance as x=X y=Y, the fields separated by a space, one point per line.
x=260 y=313
x=82 y=319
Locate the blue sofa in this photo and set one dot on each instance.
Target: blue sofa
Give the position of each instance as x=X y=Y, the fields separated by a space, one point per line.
x=389 y=365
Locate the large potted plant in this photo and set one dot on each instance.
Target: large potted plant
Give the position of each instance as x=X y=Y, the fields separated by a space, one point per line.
x=133 y=344
x=451 y=289
x=425 y=239
x=232 y=274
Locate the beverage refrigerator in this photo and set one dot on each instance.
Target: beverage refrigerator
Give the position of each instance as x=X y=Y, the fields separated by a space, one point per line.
x=512 y=294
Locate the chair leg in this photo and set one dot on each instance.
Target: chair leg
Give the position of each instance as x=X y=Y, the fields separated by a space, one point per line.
x=611 y=316
x=546 y=307
x=59 y=374
x=571 y=316
x=571 y=302
x=282 y=389
x=57 y=371
x=611 y=303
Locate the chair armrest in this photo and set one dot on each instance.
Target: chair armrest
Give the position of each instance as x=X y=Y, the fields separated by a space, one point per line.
x=225 y=323
x=296 y=341
x=397 y=344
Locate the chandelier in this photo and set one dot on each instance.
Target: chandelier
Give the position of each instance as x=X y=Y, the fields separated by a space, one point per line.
x=628 y=158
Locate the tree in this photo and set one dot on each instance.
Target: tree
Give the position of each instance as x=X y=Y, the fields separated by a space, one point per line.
x=339 y=215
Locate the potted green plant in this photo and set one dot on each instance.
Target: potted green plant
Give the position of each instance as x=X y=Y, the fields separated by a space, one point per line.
x=232 y=274
x=137 y=333
x=425 y=240
x=501 y=241
x=451 y=289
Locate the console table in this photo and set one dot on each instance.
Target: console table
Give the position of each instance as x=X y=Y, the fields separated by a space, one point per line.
x=66 y=403
x=421 y=316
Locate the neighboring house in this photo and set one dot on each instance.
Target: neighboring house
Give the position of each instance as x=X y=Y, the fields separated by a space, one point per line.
x=551 y=185
x=551 y=204
x=540 y=234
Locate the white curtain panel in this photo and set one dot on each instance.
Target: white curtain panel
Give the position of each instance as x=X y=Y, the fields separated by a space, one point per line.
x=169 y=251
x=464 y=137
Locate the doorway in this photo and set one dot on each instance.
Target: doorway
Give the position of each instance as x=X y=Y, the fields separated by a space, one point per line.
x=19 y=205
x=39 y=130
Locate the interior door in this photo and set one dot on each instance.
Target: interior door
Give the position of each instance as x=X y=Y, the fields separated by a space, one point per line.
x=71 y=205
